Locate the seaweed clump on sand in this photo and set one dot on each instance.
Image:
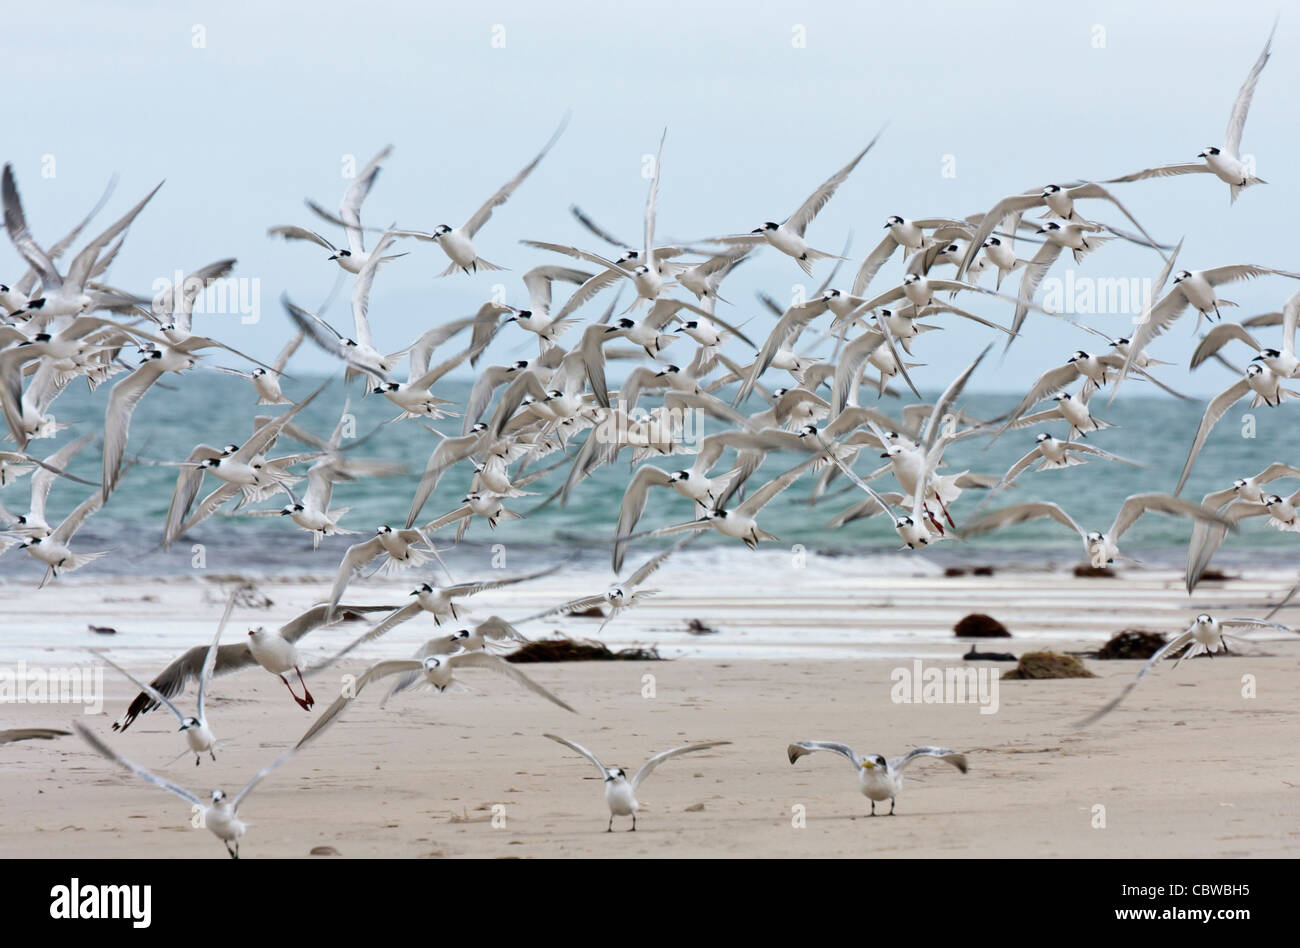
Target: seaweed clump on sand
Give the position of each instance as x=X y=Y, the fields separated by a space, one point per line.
x=1088 y=571
x=952 y=571
x=572 y=650
x=1131 y=643
x=1049 y=665
x=979 y=626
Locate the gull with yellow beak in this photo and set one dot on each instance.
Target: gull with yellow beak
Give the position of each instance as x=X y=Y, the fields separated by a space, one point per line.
x=879 y=778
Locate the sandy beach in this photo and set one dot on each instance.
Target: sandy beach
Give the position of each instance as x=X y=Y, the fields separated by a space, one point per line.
x=1187 y=767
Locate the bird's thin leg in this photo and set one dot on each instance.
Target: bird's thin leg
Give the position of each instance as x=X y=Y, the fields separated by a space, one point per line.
x=610 y=827
x=944 y=508
x=212 y=754
x=299 y=701
x=891 y=806
x=305 y=693
x=198 y=759
x=873 y=807
x=633 y=829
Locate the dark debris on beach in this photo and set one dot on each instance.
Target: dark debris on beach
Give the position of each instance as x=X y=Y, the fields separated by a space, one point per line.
x=573 y=650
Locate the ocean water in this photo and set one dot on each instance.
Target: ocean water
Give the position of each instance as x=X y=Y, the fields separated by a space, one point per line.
x=216 y=409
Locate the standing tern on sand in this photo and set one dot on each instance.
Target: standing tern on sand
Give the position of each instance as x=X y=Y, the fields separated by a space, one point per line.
x=879 y=778
x=620 y=791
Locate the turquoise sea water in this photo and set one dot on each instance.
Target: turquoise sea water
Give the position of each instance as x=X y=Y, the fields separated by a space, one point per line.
x=217 y=409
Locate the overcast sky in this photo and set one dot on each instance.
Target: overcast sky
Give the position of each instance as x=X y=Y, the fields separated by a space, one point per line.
x=247 y=108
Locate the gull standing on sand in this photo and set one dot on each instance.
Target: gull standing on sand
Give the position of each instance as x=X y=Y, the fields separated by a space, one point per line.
x=879 y=778
x=620 y=792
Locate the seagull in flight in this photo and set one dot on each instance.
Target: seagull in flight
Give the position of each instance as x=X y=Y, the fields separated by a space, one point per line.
x=1102 y=549
x=789 y=236
x=1224 y=162
x=1205 y=635
x=621 y=595
x=67 y=294
x=437 y=671
x=1057 y=200
x=352 y=258
x=198 y=734
x=458 y=243
x=220 y=815
x=1260 y=382
x=171 y=681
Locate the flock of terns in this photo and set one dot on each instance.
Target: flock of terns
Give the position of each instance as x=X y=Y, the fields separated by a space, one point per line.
x=525 y=419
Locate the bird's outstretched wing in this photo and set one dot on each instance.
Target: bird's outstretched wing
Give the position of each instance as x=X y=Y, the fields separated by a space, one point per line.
x=956 y=758
x=148 y=776
x=581 y=750
x=644 y=771
x=804 y=748
x=492 y=663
